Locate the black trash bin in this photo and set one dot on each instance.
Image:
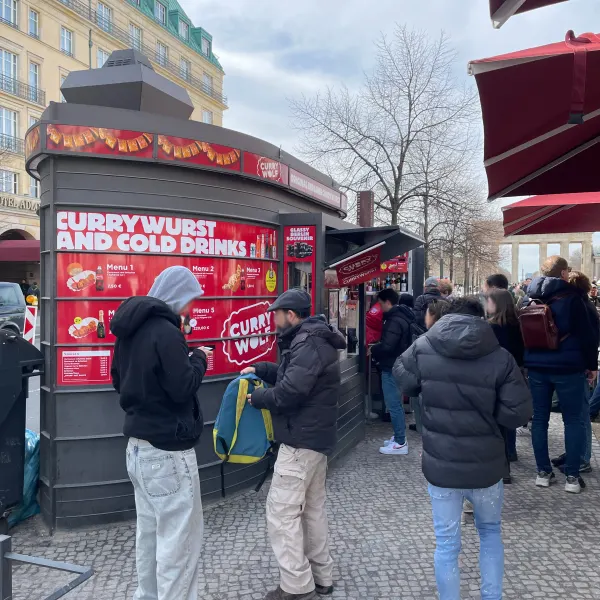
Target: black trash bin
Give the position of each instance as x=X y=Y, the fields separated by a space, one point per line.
x=19 y=360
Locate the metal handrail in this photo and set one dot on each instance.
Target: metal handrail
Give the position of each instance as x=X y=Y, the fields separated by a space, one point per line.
x=22 y=90
x=12 y=144
x=123 y=36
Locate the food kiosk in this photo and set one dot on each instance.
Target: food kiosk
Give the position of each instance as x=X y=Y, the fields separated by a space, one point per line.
x=130 y=186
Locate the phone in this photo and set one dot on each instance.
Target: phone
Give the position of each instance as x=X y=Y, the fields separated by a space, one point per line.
x=206 y=349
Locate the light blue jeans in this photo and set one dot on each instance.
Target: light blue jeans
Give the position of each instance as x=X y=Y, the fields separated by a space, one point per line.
x=169 y=521
x=393 y=402
x=447 y=504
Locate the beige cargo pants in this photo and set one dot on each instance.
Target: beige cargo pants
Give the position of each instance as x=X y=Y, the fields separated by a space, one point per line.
x=297 y=520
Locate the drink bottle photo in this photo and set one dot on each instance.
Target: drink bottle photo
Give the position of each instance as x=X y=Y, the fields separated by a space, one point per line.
x=99 y=279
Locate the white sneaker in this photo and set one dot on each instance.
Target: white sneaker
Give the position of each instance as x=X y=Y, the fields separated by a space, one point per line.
x=572 y=485
x=544 y=479
x=394 y=449
x=390 y=441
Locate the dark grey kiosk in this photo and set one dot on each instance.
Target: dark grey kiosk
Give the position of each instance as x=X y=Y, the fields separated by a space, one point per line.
x=130 y=186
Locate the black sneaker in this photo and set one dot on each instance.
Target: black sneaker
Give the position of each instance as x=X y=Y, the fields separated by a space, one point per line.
x=584 y=467
x=279 y=594
x=560 y=460
x=324 y=590
x=544 y=479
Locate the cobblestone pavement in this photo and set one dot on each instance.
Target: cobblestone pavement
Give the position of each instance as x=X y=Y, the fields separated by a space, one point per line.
x=382 y=538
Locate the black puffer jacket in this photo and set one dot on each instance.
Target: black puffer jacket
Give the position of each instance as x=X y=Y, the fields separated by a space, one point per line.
x=396 y=336
x=156 y=376
x=470 y=387
x=304 y=398
x=431 y=294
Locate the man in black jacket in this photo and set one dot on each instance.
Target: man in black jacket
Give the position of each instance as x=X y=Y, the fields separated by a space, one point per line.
x=471 y=387
x=431 y=294
x=396 y=337
x=303 y=401
x=157 y=379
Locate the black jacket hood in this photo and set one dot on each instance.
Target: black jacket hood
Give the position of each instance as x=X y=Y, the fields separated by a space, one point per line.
x=405 y=311
x=316 y=326
x=134 y=312
x=544 y=288
x=462 y=337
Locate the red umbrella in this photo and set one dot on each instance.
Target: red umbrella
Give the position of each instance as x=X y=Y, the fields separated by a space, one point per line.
x=560 y=213
x=502 y=10
x=541 y=117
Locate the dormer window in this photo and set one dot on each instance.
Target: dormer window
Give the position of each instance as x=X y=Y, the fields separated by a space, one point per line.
x=205 y=47
x=184 y=30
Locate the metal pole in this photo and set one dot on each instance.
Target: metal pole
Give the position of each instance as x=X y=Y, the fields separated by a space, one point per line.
x=5 y=568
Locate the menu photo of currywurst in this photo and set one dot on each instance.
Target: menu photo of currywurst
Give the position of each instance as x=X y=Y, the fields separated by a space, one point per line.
x=80 y=279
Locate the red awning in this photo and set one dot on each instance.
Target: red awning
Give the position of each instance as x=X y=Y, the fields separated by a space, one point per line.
x=20 y=251
x=560 y=213
x=502 y=10
x=541 y=117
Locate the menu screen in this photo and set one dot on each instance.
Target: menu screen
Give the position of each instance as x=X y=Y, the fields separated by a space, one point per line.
x=105 y=258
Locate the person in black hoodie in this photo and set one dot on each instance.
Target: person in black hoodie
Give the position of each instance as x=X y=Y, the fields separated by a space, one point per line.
x=431 y=294
x=157 y=379
x=502 y=316
x=564 y=370
x=303 y=401
x=471 y=387
x=396 y=337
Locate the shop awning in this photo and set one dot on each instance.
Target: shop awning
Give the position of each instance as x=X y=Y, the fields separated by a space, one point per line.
x=20 y=251
x=372 y=246
x=502 y=10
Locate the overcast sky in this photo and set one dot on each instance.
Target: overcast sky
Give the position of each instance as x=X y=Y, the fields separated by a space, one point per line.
x=273 y=50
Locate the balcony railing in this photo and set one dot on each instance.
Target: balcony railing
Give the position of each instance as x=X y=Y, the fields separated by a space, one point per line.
x=22 y=90
x=9 y=22
x=84 y=10
x=14 y=145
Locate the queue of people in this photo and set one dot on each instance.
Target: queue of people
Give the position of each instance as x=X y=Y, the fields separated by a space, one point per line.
x=468 y=366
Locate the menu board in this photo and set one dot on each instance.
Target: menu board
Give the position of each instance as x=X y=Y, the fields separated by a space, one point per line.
x=82 y=275
x=104 y=258
x=139 y=234
x=99 y=140
x=84 y=366
x=198 y=153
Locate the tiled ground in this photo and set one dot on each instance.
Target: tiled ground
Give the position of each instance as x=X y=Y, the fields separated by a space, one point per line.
x=381 y=534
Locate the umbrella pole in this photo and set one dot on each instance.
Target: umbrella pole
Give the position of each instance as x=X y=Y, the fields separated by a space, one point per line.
x=505 y=12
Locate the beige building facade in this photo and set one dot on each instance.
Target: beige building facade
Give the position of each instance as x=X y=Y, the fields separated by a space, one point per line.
x=42 y=41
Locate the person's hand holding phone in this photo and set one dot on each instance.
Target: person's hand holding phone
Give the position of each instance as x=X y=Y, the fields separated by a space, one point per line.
x=206 y=349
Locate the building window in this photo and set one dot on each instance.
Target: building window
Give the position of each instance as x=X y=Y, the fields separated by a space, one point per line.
x=207 y=117
x=66 y=41
x=34 y=81
x=104 y=17
x=34 y=23
x=207 y=83
x=101 y=57
x=9 y=182
x=34 y=187
x=135 y=35
x=8 y=71
x=205 y=47
x=184 y=30
x=33 y=120
x=185 y=69
x=160 y=12
x=162 y=54
x=8 y=11
x=62 y=80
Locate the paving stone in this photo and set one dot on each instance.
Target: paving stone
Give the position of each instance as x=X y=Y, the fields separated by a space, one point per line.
x=381 y=533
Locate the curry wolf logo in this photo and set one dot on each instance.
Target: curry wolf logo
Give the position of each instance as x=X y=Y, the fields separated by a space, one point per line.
x=360 y=263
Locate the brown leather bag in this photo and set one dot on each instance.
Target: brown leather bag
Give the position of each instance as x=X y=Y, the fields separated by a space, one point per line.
x=538 y=328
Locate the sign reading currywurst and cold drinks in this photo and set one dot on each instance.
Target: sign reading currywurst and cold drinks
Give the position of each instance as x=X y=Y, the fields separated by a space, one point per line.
x=104 y=258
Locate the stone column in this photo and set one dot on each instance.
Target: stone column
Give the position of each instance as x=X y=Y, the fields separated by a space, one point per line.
x=515 y=262
x=564 y=250
x=543 y=246
x=587 y=265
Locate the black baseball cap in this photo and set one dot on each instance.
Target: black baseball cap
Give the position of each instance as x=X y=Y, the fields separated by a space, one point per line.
x=295 y=299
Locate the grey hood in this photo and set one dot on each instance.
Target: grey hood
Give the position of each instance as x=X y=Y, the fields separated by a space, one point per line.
x=463 y=337
x=176 y=287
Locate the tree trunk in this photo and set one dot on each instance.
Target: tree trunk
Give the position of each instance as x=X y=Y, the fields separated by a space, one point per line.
x=426 y=235
x=451 y=263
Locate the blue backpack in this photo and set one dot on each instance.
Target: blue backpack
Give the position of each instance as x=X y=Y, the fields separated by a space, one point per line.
x=242 y=434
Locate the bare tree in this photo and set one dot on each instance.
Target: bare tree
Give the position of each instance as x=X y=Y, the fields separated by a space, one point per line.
x=377 y=138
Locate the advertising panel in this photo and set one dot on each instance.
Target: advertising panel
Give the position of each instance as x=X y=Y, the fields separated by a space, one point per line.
x=198 y=153
x=99 y=140
x=82 y=275
x=266 y=168
x=314 y=189
x=396 y=265
x=359 y=268
x=300 y=258
x=136 y=233
x=32 y=142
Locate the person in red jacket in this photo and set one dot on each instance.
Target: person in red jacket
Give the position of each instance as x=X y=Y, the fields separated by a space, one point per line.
x=374 y=322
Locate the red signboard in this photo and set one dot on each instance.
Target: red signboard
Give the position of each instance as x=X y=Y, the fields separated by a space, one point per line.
x=32 y=141
x=266 y=168
x=99 y=140
x=396 y=265
x=198 y=153
x=231 y=357
x=300 y=247
x=359 y=268
x=122 y=275
x=314 y=189
x=84 y=366
x=135 y=233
